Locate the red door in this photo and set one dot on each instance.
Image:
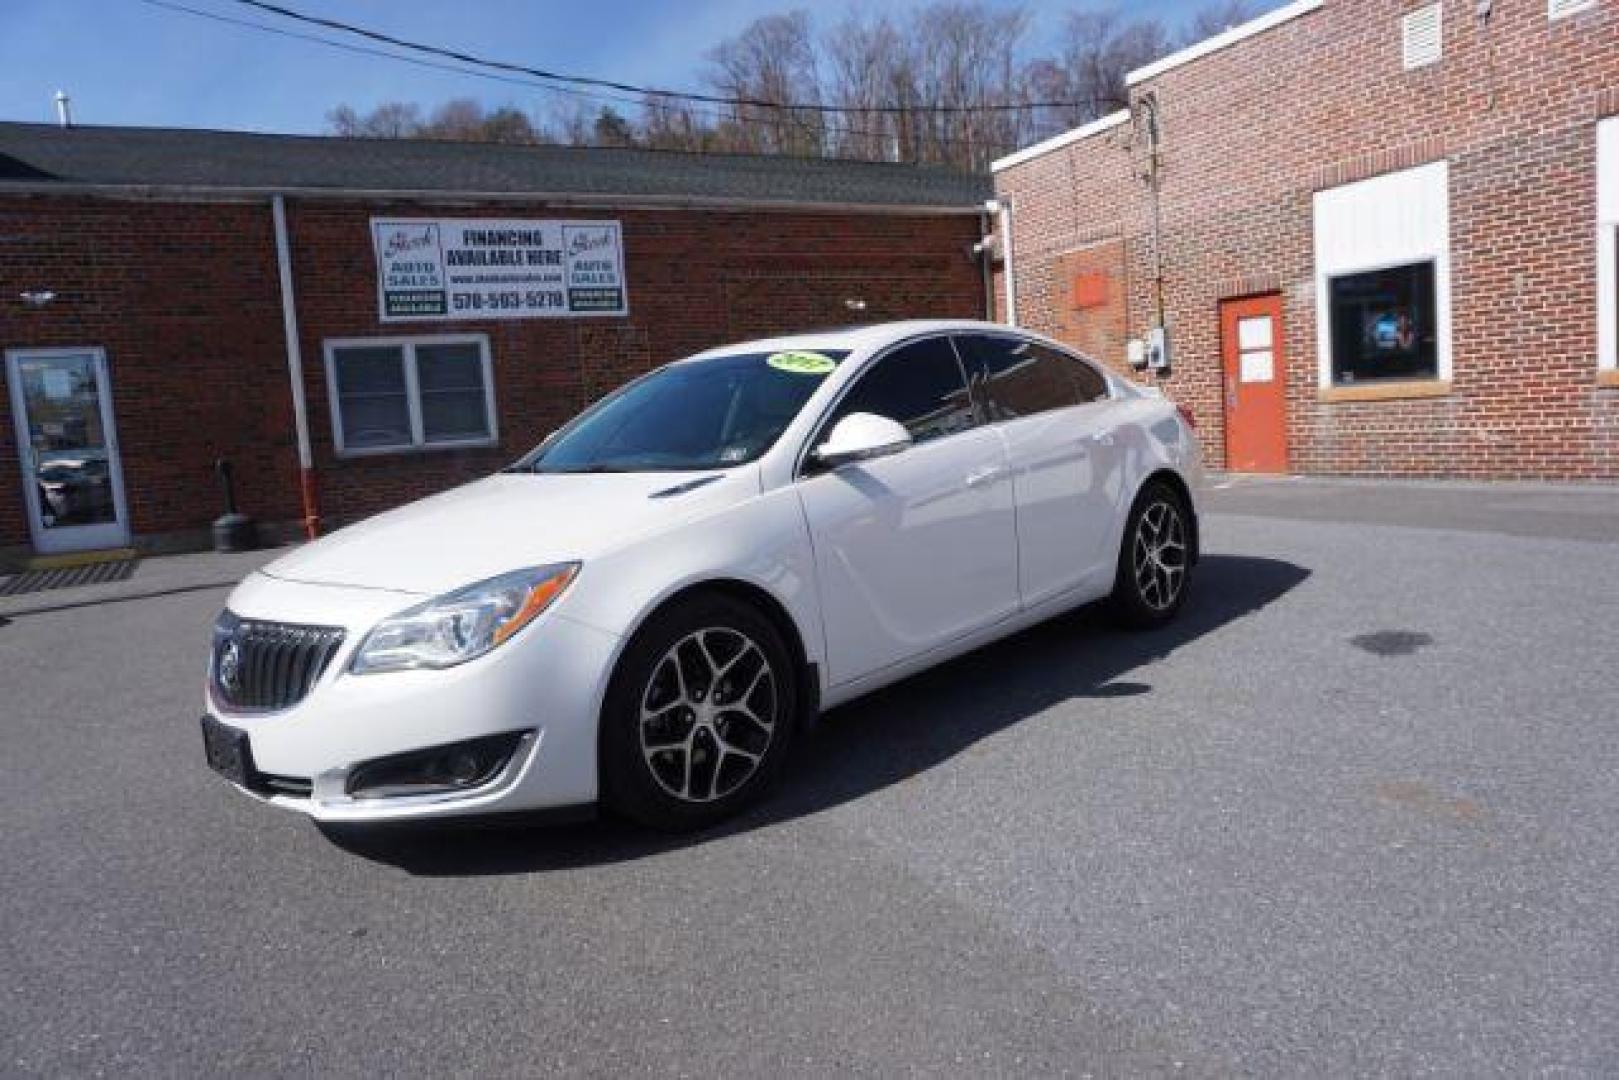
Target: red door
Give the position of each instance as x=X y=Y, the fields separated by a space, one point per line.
x=1255 y=384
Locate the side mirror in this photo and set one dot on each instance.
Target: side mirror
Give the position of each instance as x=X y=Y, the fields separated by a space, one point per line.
x=861 y=437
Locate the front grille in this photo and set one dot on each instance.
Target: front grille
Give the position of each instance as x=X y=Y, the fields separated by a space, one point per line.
x=265 y=665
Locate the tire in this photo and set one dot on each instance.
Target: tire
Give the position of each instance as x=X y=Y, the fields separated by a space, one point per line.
x=675 y=758
x=1155 y=559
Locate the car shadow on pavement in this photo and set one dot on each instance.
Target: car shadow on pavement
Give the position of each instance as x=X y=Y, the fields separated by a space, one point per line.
x=876 y=741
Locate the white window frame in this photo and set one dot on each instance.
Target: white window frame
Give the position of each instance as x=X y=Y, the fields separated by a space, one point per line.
x=1606 y=239
x=1389 y=195
x=1442 y=321
x=413 y=392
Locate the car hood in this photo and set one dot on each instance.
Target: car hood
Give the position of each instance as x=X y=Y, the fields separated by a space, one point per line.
x=507 y=522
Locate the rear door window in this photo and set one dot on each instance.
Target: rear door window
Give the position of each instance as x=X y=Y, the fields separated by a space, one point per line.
x=1013 y=377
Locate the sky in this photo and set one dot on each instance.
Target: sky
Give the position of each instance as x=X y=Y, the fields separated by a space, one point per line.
x=130 y=62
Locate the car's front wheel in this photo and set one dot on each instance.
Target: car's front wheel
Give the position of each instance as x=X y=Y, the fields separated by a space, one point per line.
x=699 y=715
x=1155 y=558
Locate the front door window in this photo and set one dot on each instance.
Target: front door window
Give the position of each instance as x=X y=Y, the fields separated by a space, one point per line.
x=69 y=463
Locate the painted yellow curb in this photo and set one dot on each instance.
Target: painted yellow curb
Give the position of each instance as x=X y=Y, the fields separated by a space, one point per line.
x=77 y=558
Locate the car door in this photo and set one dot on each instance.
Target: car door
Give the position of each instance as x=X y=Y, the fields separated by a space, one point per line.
x=1053 y=411
x=917 y=548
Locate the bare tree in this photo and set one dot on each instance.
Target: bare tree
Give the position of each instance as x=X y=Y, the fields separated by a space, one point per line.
x=965 y=62
x=947 y=83
x=459 y=120
x=1098 y=48
x=509 y=124
x=771 y=61
x=390 y=120
x=671 y=124
x=869 y=65
x=946 y=86
x=1216 y=19
x=611 y=128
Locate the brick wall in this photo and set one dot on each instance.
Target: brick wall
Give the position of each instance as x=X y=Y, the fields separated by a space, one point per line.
x=1251 y=132
x=184 y=298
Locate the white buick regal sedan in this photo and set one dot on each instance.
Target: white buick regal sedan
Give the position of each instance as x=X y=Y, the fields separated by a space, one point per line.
x=648 y=608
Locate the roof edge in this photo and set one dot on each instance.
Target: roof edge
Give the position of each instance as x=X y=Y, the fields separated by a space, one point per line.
x=1057 y=142
x=571 y=148
x=1222 y=40
x=201 y=193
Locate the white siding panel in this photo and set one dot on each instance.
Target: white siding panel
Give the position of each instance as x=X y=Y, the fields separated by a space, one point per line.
x=1394 y=218
x=1607 y=240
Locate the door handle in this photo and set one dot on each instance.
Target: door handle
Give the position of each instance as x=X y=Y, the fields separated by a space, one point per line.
x=986 y=475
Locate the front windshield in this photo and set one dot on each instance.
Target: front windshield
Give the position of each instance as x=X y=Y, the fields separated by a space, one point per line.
x=702 y=414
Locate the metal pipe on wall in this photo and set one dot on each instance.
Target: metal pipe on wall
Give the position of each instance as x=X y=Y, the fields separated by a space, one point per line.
x=1148 y=114
x=986 y=269
x=1002 y=208
x=295 y=370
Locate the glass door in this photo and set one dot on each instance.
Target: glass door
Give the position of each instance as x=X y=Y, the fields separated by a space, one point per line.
x=72 y=482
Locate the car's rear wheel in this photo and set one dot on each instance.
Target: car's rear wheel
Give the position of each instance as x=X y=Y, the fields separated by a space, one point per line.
x=1155 y=558
x=699 y=715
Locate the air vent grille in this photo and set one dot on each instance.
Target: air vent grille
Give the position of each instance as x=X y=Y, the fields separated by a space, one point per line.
x=1557 y=9
x=1420 y=36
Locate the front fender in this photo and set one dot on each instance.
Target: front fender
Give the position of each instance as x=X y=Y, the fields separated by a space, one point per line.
x=762 y=542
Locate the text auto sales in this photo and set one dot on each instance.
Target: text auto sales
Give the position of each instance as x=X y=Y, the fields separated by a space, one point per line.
x=442 y=269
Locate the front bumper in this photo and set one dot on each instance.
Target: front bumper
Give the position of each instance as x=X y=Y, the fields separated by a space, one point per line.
x=547 y=682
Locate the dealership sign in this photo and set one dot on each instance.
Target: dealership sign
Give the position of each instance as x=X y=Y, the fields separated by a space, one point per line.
x=477 y=269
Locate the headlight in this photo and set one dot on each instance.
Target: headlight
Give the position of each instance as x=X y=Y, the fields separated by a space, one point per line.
x=462 y=625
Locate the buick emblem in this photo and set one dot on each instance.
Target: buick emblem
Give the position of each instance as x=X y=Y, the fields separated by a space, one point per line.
x=230 y=667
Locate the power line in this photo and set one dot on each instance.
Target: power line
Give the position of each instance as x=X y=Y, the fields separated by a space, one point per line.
x=650 y=102
x=631 y=88
x=172 y=5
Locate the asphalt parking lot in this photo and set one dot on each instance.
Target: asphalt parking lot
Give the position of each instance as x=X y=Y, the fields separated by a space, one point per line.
x=1358 y=811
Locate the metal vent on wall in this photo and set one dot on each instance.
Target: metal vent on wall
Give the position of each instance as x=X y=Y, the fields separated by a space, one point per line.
x=1420 y=36
x=1556 y=9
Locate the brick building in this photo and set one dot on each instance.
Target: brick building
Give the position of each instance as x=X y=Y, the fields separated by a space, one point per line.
x=1386 y=235
x=145 y=334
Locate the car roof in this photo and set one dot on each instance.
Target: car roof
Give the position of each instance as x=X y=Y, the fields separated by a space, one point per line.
x=854 y=339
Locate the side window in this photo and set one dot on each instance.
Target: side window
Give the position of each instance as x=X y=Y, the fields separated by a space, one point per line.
x=410 y=393
x=920 y=385
x=1013 y=377
x=1091 y=382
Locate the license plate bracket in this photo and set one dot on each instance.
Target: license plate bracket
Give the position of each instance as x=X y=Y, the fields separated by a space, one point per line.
x=229 y=752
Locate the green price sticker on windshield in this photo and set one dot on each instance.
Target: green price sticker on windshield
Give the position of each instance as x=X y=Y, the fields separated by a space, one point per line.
x=801 y=363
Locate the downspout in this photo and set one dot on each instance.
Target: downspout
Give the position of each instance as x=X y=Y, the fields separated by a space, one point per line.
x=295 y=369
x=1002 y=207
x=985 y=269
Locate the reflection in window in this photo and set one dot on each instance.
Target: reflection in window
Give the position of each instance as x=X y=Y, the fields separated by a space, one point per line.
x=454 y=406
x=372 y=397
x=920 y=385
x=1384 y=325
x=1014 y=377
x=400 y=395
x=705 y=414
